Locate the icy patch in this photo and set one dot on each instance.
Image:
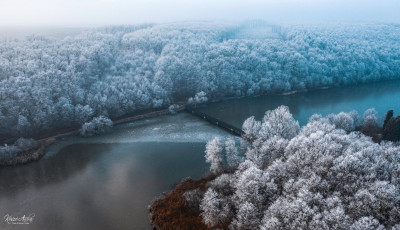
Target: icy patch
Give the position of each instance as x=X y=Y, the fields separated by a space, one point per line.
x=182 y=127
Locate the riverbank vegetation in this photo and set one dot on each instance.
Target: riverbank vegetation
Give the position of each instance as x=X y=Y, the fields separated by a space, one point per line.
x=324 y=175
x=23 y=151
x=48 y=84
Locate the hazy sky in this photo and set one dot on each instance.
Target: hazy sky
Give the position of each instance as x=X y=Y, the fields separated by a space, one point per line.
x=108 y=12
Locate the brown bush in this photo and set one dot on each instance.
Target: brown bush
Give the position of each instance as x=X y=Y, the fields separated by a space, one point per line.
x=171 y=212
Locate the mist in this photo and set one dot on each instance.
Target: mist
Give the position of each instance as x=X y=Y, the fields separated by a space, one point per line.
x=112 y=12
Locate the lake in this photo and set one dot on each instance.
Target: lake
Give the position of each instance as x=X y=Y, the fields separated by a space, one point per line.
x=107 y=182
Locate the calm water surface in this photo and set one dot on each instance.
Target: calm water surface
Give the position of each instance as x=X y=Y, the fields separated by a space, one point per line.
x=107 y=182
x=382 y=96
x=97 y=186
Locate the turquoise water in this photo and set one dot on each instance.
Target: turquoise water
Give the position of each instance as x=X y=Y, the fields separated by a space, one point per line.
x=381 y=96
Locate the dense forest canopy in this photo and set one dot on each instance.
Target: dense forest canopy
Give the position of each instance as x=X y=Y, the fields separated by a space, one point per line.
x=53 y=83
x=324 y=175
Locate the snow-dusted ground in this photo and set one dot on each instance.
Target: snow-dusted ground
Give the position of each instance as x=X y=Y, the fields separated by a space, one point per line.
x=182 y=127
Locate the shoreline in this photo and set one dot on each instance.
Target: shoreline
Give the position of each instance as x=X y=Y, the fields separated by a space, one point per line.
x=36 y=153
x=29 y=155
x=45 y=141
x=130 y=117
x=139 y=115
x=171 y=210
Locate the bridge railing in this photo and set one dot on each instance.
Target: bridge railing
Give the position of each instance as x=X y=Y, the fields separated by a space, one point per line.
x=228 y=127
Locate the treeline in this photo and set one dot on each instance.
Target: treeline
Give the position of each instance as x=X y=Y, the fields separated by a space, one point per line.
x=324 y=175
x=48 y=84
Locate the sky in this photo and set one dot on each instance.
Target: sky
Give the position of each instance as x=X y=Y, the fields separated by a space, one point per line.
x=111 y=12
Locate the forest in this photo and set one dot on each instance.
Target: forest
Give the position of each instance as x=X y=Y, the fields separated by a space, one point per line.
x=108 y=72
x=324 y=175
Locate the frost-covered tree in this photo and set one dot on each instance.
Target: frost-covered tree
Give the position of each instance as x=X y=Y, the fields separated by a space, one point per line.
x=370 y=123
x=325 y=176
x=172 y=108
x=279 y=122
x=8 y=153
x=345 y=121
x=370 y=118
x=96 y=126
x=26 y=143
x=366 y=223
x=49 y=83
x=246 y=217
x=213 y=155
x=233 y=157
x=83 y=113
x=23 y=125
x=199 y=98
x=251 y=127
x=214 y=208
x=193 y=198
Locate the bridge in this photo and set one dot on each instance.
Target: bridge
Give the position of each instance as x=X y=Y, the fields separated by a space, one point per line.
x=215 y=121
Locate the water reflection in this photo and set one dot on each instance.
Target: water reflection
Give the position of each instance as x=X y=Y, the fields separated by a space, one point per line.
x=70 y=161
x=97 y=186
